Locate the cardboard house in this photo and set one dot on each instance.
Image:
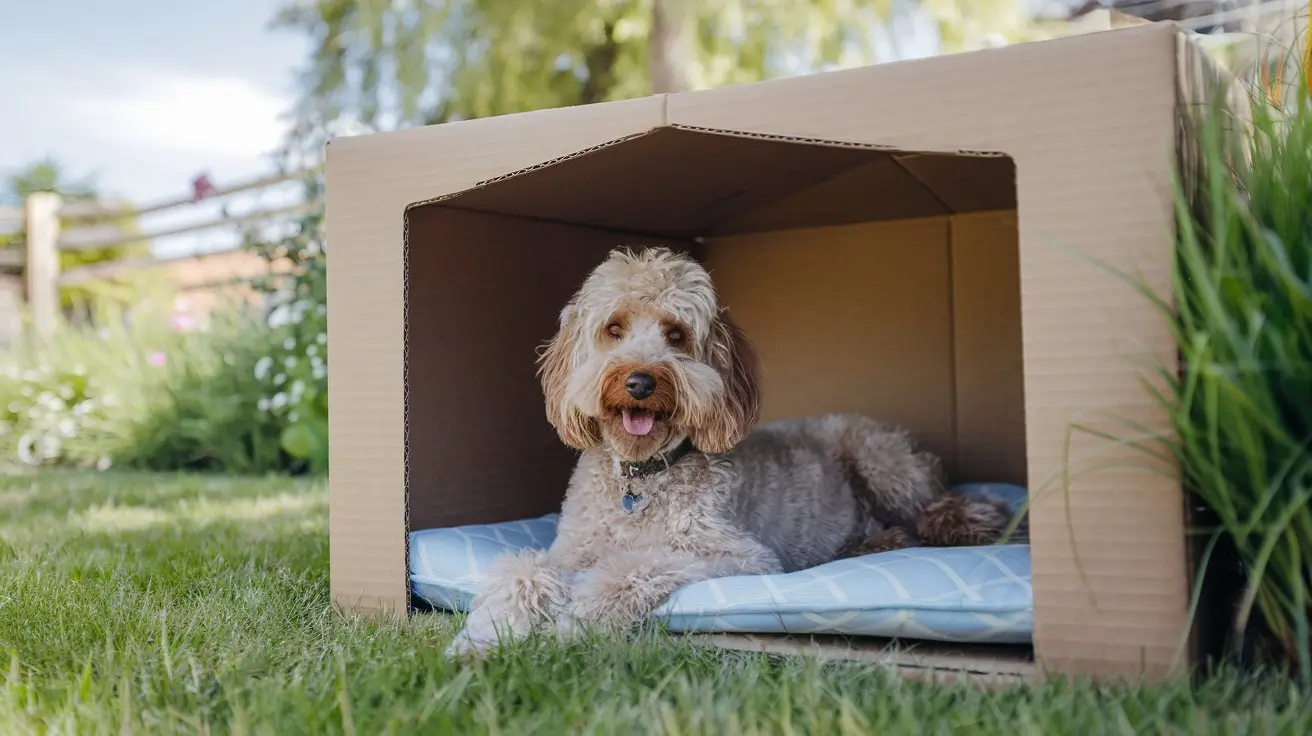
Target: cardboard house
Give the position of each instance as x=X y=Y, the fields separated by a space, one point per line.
x=906 y=240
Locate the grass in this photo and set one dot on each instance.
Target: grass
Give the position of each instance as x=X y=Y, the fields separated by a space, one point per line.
x=190 y=604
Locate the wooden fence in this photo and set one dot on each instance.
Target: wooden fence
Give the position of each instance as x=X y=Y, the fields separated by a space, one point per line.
x=31 y=274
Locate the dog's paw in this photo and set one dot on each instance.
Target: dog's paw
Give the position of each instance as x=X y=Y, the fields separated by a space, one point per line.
x=608 y=603
x=482 y=633
x=957 y=520
x=467 y=647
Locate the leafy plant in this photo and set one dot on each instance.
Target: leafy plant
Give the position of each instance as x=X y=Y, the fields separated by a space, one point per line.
x=139 y=392
x=202 y=415
x=1242 y=406
x=70 y=399
x=293 y=371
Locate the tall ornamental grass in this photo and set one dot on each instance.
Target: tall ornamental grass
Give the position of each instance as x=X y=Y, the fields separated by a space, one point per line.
x=1241 y=401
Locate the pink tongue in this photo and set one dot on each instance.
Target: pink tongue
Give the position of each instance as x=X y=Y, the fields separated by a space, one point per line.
x=638 y=421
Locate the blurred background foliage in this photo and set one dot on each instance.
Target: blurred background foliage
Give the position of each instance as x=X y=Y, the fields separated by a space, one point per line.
x=384 y=64
x=389 y=64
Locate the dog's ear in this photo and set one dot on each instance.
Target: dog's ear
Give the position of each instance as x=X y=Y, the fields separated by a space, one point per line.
x=555 y=365
x=734 y=357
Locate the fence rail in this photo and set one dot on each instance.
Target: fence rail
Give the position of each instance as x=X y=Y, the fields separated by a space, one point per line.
x=49 y=226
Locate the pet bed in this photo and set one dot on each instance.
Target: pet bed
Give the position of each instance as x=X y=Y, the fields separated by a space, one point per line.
x=958 y=594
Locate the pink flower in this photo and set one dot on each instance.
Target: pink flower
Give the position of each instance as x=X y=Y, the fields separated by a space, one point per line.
x=156 y=358
x=182 y=322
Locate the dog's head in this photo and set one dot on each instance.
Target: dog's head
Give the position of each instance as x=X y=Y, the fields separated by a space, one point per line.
x=644 y=358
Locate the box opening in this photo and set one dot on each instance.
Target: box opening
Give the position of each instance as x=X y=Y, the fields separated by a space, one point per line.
x=871 y=280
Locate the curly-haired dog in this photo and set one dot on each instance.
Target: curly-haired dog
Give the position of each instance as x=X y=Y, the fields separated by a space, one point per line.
x=661 y=393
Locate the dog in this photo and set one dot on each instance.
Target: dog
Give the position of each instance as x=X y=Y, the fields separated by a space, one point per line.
x=676 y=483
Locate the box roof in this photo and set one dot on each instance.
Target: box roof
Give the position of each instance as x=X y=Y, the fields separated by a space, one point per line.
x=682 y=182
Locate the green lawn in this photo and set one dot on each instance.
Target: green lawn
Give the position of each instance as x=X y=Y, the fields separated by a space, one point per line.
x=173 y=604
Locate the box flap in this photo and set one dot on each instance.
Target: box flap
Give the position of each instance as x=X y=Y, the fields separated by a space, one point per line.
x=681 y=182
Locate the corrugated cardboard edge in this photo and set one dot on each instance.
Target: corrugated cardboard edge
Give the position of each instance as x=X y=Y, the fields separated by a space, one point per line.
x=990 y=667
x=896 y=152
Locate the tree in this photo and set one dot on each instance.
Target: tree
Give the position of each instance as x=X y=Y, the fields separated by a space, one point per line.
x=966 y=24
x=46 y=175
x=388 y=64
x=391 y=64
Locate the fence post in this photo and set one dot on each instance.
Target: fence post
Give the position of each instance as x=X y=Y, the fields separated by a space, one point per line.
x=41 y=225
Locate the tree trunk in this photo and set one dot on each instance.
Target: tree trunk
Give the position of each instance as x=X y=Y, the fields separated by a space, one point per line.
x=671 y=42
x=600 y=61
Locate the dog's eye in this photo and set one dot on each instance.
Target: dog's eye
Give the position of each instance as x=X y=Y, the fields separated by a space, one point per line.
x=674 y=336
x=614 y=330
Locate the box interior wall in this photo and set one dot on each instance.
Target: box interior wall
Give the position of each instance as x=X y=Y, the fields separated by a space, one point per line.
x=873 y=281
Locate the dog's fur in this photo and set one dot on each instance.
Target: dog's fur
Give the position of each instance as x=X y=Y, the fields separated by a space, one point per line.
x=786 y=496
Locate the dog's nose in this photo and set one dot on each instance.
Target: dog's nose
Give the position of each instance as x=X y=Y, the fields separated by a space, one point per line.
x=640 y=385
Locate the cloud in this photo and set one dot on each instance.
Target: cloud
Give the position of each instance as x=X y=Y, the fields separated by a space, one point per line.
x=183 y=113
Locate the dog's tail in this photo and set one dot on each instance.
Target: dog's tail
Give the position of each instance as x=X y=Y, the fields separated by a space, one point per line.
x=904 y=488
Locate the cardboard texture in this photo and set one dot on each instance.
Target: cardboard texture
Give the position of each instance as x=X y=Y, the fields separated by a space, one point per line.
x=896 y=240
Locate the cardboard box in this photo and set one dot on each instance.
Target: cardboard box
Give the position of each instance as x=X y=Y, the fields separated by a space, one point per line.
x=895 y=239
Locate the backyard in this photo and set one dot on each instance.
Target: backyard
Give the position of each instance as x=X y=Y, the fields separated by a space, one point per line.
x=164 y=561
x=159 y=603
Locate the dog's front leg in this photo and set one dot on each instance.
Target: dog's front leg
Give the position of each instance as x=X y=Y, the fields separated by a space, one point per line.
x=624 y=588
x=522 y=592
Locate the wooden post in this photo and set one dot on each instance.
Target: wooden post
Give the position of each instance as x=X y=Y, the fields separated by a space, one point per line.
x=41 y=223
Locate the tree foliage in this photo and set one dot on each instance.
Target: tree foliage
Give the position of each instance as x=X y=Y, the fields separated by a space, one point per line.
x=392 y=63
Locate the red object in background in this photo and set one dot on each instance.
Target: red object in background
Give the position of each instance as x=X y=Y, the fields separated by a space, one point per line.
x=202 y=187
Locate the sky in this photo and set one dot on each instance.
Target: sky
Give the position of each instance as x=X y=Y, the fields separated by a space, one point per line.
x=145 y=94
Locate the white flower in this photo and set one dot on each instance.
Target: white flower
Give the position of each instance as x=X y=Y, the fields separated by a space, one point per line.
x=104 y=463
x=293 y=416
x=289 y=362
x=279 y=316
x=262 y=404
x=298 y=388
x=321 y=338
x=289 y=344
x=65 y=393
x=67 y=427
x=280 y=379
x=321 y=310
x=262 y=368
x=26 y=445
x=27 y=391
x=279 y=400
x=318 y=372
x=312 y=351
